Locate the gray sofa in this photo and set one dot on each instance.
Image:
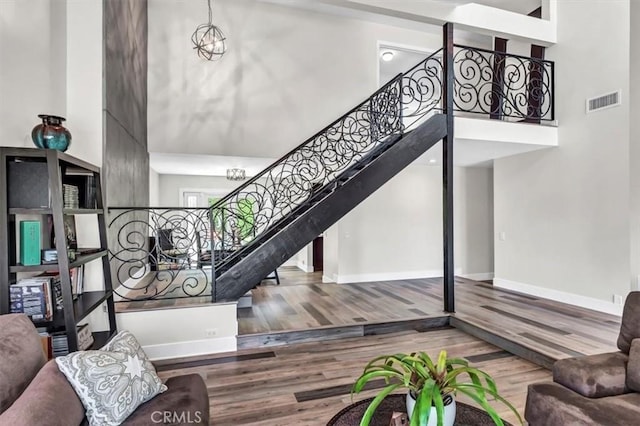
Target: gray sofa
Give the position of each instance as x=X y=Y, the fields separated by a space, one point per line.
x=594 y=390
x=34 y=392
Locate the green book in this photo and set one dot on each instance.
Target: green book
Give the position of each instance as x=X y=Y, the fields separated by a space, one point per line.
x=30 y=242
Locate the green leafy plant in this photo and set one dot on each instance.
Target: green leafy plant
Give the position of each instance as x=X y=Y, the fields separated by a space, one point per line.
x=430 y=383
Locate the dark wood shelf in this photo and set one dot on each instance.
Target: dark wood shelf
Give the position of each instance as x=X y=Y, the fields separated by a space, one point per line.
x=20 y=210
x=86 y=303
x=82 y=211
x=80 y=260
x=42 y=153
x=100 y=338
x=34 y=179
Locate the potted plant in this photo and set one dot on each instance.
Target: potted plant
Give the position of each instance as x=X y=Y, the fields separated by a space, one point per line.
x=432 y=387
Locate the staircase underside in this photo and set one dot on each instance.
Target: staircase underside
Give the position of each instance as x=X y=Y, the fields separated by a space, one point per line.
x=249 y=271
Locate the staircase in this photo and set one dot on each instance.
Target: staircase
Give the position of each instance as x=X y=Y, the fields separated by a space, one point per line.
x=257 y=227
x=271 y=217
x=244 y=269
x=260 y=225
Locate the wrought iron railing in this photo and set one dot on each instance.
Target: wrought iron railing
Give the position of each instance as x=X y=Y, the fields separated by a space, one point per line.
x=422 y=90
x=502 y=85
x=160 y=253
x=266 y=199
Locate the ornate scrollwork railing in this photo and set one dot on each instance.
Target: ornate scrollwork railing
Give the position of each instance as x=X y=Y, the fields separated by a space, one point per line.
x=422 y=90
x=500 y=85
x=505 y=86
x=160 y=253
x=267 y=198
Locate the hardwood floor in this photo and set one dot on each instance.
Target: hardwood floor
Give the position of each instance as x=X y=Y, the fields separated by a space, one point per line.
x=549 y=330
x=306 y=384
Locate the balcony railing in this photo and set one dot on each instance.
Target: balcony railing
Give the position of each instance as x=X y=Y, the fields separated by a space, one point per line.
x=502 y=85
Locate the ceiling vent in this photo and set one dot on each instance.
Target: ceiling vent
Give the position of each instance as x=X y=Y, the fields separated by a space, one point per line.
x=605 y=101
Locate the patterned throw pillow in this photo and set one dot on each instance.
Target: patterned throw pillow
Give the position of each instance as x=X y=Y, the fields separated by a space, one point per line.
x=112 y=382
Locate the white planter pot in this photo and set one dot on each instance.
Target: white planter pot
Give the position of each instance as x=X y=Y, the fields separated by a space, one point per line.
x=449 y=412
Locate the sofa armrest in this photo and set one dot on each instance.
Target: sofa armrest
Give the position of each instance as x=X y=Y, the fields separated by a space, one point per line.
x=48 y=400
x=593 y=376
x=551 y=404
x=186 y=402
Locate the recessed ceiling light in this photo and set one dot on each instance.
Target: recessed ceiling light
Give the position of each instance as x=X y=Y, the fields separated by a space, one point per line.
x=432 y=160
x=387 y=55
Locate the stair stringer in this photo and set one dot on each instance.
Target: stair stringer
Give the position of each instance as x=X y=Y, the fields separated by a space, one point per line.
x=248 y=272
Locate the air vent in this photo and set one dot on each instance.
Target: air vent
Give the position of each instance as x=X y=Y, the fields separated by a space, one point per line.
x=605 y=101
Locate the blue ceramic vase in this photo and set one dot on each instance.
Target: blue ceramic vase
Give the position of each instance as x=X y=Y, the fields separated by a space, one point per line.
x=51 y=134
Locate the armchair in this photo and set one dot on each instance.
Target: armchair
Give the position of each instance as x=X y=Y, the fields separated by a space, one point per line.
x=599 y=389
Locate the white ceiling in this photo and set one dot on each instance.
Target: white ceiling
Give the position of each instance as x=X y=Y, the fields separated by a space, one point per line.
x=468 y=153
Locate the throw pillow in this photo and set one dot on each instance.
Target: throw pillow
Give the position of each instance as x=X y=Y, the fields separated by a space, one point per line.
x=633 y=366
x=124 y=341
x=112 y=383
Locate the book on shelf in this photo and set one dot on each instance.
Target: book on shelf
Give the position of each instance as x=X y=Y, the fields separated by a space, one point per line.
x=30 y=236
x=45 y=341
x=85 y=180
x=57 y=344
x=32 y=298
x=52 y=279
x=70 y=234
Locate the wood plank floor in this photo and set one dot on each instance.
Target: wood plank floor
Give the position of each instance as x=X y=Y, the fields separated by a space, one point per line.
x=552 y=329
x=306 y=384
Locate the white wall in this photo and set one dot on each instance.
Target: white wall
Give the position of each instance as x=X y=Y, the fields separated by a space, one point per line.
x=634 y=145
x=51 y=63
x=287 y=74
x=162 y=333
x=331 y=254
x=170 y=186
x=304 y=258
x=565 y=212
x=396 y=233
x=154 y=188
x=473 y=222
x=32 y=66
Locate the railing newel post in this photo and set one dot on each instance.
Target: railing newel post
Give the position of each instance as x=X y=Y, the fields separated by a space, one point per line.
x=447 y=170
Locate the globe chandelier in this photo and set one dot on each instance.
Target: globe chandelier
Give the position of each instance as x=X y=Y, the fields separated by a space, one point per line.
x=208 y=40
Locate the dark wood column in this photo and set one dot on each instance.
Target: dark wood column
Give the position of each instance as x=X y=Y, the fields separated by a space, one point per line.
x=447 y=168
x=500 y=48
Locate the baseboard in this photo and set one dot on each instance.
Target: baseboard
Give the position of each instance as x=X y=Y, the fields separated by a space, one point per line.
x=191 y=348
x=560 y=296
x=480 y=276
x=390 y=276
x=326 y=279
x=303 y=267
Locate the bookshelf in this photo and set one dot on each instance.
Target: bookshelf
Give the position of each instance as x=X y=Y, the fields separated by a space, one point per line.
x=31 y=186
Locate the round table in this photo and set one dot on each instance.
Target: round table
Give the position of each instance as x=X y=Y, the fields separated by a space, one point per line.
x=466 y=415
